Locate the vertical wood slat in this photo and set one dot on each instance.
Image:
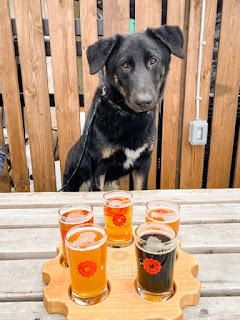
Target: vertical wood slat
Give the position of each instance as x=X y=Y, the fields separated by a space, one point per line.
x=35 y=87
x=11 y=100
x=172 y=105
x=236 y=181
x=192 y=157
x=148 y=13
x=116 y=20
x=225 y=98
x=65 y=79
x=4 y=177
x=89 y=35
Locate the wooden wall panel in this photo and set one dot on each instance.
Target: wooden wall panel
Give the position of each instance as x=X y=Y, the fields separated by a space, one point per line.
x=192 y=156
x=148 y=13
x=35 y=87
x=226 y=97
x=65 y=78
x=12 y=107
x=172 y=105
x=89 y=35
x=116 y=17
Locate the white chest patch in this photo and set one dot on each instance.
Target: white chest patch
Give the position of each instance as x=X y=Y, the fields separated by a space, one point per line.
x=132 y=156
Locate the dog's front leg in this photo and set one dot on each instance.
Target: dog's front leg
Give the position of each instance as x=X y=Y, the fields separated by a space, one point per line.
x=98 y=183
x=139 y=180
x=140 y=173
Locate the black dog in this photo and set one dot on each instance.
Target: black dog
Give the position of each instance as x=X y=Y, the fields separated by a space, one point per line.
x=120 y=132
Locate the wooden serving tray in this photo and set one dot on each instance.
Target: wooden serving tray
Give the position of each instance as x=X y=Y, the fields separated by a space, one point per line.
x=123 y=301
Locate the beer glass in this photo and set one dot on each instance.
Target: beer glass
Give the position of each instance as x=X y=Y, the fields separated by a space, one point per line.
x=118 y=210
x=86 y=247
x=165 y=212
x=70 y=216
x=155 y=245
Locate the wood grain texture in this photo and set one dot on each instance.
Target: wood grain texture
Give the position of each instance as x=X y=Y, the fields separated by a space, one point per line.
x=192 y=156
x=214 y=281
x=4 y=177
x=172 y=105
x=149 y=14
x=189 y=214
x=225 y=98
x=12 y=106
x=115 y=17
x=65 y=78
x=89 y=35
x=121 y=275
x=116 y=20
x=213 y=308
x=49 y=199
x=37 y=243
x=35 y=87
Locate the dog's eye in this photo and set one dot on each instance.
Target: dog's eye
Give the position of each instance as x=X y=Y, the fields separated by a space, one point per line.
x=152 y=61
x=125 y=65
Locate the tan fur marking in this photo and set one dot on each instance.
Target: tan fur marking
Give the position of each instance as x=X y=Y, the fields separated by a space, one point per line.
x=137 y=181
x=116 y=79
x=101 y=181
x=108 y=151
x=85 y=186
x=113 y=185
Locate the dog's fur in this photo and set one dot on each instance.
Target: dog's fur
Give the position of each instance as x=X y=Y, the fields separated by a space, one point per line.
x=123 y=132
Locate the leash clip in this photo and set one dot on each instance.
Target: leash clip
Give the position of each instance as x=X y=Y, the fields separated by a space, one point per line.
x=104 y=91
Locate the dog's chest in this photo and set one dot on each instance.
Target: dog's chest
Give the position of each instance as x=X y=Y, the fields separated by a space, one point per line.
x=132 y=155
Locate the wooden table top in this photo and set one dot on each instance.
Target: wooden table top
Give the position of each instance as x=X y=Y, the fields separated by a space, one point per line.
x=209 y=229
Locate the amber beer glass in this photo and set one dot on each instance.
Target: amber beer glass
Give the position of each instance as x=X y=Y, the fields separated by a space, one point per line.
x=86 y=247
x=155 y=244
x=70 y=216
x=165 y=212
x=118 y=210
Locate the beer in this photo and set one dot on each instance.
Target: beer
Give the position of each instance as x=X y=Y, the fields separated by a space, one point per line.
x=118 y=210
x=86 y=247
x=71 y=216
x=163 y=211
x=155 y=254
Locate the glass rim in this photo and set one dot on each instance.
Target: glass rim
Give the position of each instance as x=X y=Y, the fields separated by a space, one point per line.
x=85 y=226
x=158 y=226
x=175 y=211
x=74 y=206
x=109 y=193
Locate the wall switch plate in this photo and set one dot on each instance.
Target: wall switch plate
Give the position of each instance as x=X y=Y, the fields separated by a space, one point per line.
x=198 y=132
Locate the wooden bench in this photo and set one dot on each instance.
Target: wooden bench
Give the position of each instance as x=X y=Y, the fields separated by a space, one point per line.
x=178 y=164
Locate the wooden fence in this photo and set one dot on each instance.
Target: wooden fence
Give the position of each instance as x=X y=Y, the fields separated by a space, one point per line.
x=175 y=163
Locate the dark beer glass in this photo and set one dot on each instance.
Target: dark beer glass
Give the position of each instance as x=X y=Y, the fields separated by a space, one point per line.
x=156 y=245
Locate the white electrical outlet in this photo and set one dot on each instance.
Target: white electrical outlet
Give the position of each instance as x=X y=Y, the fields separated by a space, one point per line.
x=198 y=132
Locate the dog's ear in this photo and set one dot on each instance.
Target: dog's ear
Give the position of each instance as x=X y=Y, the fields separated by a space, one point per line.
x=98 y=53
x=172 y=37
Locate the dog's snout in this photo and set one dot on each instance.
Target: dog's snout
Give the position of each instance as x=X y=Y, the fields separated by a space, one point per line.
x=143 y=99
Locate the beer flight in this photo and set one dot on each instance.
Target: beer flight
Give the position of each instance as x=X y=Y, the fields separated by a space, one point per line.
x=85 y=246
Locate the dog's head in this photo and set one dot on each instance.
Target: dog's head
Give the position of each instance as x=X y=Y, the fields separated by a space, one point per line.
x=138 y=63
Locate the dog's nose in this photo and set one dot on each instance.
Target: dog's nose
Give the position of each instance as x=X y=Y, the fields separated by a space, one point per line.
x=143 y=100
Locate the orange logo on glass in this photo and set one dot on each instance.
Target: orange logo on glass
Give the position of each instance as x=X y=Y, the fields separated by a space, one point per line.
x=87 y=268
x=119 y=220
x=152 y=266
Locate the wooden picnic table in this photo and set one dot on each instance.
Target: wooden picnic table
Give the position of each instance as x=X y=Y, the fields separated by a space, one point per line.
x=209 y=229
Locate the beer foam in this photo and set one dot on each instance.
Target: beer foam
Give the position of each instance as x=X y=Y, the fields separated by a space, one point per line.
x=154 y=245
x=85 y=239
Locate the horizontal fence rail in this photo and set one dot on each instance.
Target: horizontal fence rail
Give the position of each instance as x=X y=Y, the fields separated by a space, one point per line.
x=43 y=64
